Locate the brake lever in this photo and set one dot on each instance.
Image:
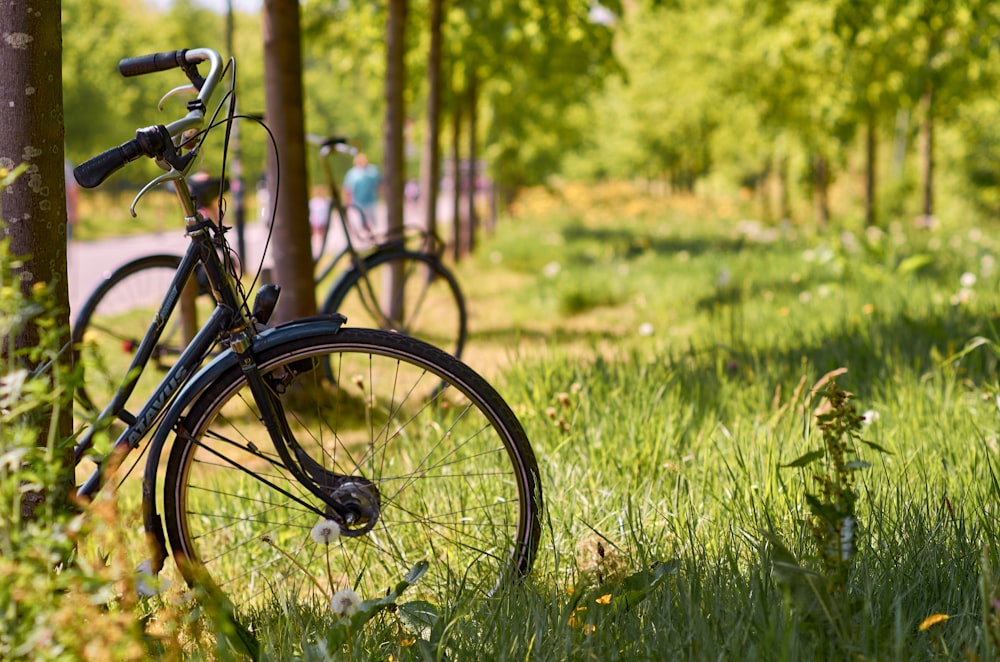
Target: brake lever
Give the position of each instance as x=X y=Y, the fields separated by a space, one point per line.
x=178 y=164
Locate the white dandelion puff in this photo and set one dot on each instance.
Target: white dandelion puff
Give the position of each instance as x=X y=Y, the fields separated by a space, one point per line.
x=869 y=417
x=345 y=602
x=326 y=532
x=552 y=269
x=724 y=278
x=968 y=279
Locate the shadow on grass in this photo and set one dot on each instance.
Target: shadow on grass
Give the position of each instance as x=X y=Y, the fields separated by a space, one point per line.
x=628 y=243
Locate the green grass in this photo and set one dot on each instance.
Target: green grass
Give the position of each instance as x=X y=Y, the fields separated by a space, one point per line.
x=661 y=355
x=662 y=372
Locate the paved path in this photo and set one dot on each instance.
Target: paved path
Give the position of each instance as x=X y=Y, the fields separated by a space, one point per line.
x=89 y=262
x=92 y=261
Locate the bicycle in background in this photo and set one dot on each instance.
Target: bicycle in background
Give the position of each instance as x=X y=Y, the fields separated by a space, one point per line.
x=397 y=283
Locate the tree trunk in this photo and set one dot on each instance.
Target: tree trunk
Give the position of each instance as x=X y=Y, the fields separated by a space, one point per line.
x=821 y=182
x=430 y=169
x=471 y=220
x=870 y=161
x=784 y=189
x=456 y=179
x=33 y=208
x=394 y=164
x=290 y=245
x=927 y=153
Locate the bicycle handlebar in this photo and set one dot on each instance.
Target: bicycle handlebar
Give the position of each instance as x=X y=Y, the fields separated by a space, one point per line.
x=156 y=141
x=335 y=143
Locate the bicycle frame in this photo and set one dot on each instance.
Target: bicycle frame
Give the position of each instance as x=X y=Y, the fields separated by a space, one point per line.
x=228 y=317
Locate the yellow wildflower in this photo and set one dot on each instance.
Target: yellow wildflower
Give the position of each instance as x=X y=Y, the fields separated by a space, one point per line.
x=933 y=620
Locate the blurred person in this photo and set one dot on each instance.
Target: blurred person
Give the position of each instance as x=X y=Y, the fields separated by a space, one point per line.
x=361 y=187
x=319 y=214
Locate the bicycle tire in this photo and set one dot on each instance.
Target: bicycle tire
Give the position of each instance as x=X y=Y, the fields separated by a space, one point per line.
x=433 y=307
x=114 y=319
x=451 y=472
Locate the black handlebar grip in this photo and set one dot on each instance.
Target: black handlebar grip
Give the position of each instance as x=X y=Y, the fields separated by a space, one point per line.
x=94 y=171
x=147 y=64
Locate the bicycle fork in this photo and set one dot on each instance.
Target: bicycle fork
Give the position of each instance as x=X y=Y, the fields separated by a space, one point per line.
x=353 y=502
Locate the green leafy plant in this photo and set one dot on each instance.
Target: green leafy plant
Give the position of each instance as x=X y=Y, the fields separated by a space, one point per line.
x=67 y=589
x=823 y=590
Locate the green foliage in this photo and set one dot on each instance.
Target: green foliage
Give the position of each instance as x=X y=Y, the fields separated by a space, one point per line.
x=692 y=94
x=48 y=595
x=538 y=63
x=67 y=590
x=979 y=162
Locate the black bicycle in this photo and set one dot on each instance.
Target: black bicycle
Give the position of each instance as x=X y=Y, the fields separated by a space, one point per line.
x=394 y=281
x=391 y=282
x=262 y=443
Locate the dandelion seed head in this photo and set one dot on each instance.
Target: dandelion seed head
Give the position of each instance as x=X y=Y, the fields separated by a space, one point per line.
x=345 y=602
x=552 y=269
x=326 y=532
x=724 y=278
x=968 y=279
x=963 y=296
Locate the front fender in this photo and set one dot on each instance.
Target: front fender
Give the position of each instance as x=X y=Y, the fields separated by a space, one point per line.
x=319 y=325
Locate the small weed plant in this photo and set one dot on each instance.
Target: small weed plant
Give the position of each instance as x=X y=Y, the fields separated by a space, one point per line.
x=818 y=586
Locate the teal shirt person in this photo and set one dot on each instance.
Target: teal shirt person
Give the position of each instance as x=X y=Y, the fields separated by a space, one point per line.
x=361 y=184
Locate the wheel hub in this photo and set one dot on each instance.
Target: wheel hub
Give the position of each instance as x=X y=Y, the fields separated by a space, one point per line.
x=359 y=503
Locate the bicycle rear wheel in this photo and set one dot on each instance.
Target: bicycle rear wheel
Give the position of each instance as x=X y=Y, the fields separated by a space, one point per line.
x=445 y=475
x=427 y=304
x=116 y=316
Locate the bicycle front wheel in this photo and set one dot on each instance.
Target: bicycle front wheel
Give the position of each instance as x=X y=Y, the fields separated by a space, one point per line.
x=433 y=463
x=405 y=291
